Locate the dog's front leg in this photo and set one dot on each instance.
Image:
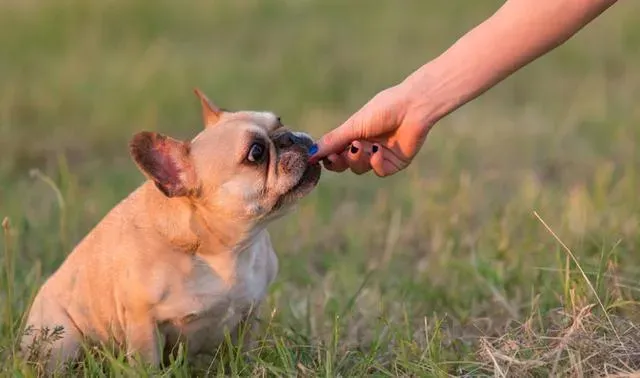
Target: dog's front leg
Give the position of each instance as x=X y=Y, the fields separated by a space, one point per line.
x=142 y=341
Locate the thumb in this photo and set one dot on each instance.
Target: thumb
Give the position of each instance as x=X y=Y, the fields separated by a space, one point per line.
x=336 y=140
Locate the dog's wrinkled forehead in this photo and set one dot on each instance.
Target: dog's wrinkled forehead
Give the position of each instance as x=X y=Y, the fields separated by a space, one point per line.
x=266 y=123
x=269 y=122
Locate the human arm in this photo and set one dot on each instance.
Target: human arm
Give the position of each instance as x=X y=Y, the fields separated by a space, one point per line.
x=397 y=120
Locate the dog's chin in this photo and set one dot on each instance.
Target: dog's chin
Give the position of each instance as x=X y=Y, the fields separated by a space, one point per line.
x=307 y=182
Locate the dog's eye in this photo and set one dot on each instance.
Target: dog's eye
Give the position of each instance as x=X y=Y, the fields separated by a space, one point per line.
x=256 y=153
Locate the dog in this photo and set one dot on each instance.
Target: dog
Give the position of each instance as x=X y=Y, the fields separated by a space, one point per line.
x=186 y=257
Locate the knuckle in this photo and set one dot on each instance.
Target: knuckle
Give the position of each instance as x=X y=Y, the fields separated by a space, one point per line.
x=328 y=139
x=355 y=128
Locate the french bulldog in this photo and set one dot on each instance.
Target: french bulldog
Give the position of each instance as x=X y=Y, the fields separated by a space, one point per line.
x=186 y=257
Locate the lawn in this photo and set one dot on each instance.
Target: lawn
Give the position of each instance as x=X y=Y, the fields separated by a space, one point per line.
x=509 y=247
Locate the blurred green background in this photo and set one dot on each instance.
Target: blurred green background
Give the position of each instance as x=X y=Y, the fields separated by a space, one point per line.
x=435 y=256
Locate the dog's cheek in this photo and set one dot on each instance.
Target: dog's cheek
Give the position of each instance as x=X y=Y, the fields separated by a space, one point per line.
x=246 y=197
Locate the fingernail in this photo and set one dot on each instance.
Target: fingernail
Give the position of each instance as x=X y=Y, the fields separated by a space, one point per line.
x=313 y=149
x=354 y=149
x=374 y=149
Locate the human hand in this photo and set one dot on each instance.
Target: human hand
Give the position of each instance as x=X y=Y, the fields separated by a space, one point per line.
x=384 y=135
x=388 y=131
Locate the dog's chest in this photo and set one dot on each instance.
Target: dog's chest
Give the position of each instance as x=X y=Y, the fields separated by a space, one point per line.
x=218 y=293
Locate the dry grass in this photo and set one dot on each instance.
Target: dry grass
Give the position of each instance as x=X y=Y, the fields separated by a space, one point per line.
x=572 y=344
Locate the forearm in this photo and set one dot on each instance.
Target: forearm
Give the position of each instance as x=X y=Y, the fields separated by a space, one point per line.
x=518 y=33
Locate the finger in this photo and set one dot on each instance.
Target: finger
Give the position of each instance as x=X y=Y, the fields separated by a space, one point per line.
x=358 y=157
x=380 y=166
x=335 y=163
x=337 y=139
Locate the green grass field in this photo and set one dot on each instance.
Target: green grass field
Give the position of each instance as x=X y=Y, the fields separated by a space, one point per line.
x=509 y=248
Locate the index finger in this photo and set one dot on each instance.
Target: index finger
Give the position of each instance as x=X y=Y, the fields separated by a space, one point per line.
x=335 y=141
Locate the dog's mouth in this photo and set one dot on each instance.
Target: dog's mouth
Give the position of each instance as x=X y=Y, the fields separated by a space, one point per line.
x=307 y=181
x=302 y=187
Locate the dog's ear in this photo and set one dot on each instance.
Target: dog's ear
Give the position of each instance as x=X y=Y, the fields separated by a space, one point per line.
x=210 y=112
x=165 y=161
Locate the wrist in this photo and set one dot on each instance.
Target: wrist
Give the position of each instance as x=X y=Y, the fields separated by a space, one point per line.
x=428 y=94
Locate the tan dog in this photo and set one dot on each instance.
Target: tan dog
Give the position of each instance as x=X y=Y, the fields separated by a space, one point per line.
x=186 y=256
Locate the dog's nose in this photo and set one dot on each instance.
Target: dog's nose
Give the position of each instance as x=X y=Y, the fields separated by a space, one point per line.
x=288 y=139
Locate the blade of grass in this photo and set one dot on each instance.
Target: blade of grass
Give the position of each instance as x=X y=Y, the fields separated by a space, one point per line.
x=36 y=173
x=9 y=280
x=584 y=275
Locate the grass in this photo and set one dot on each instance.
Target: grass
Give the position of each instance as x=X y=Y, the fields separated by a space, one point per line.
x=509 y=248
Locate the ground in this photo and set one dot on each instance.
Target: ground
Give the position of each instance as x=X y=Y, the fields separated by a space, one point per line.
x=509 y=247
